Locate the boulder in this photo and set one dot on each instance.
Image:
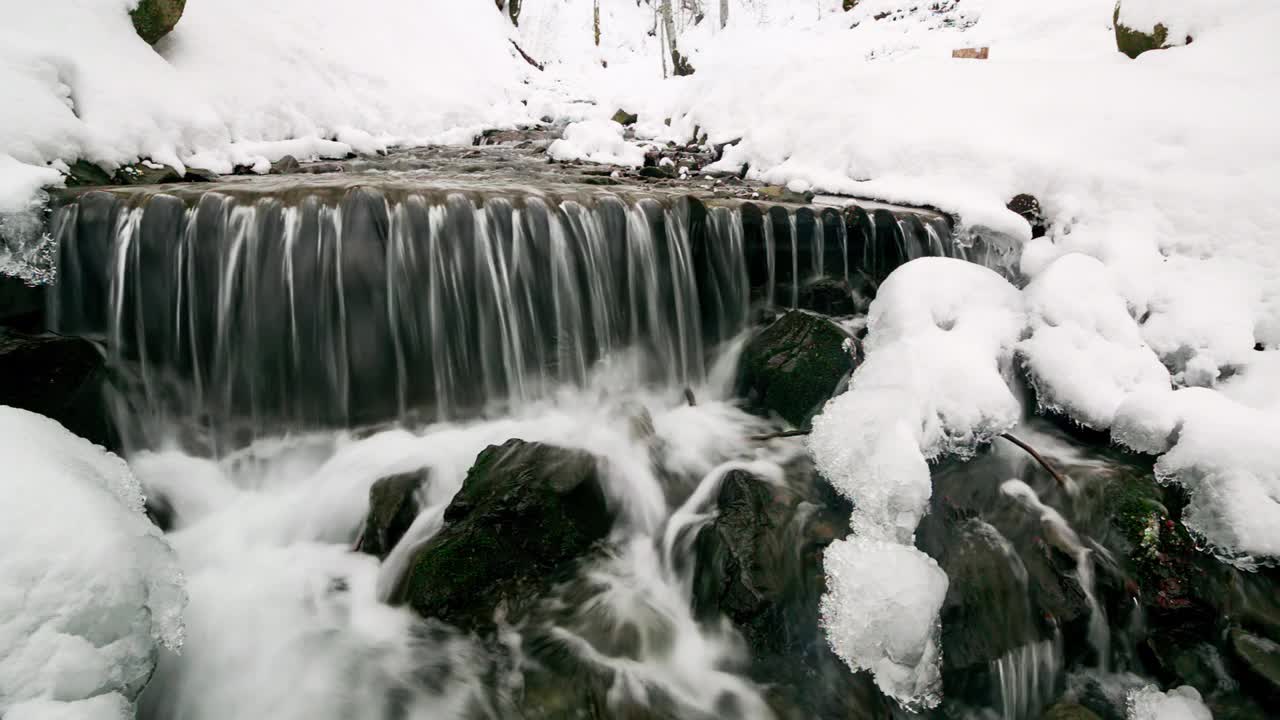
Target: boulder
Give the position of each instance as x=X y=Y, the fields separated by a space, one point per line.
x=59 y=377
x=830 y=296
x=1262 y=658
x=793 y=366
x=759 y=563
x=622 y=117
x=1028 y=207
x=524 y=514
x=1134 y=41
x=84 y=173
x=153 y=19
x=393 y=506
x=1069 y=711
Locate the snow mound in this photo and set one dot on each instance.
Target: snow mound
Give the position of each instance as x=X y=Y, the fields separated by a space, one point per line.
x=1183 y=703
x=597 y=141
x=939 y=348
x=94 y=589
x=1085 y=353
x=881 y=614
x=1223 y=453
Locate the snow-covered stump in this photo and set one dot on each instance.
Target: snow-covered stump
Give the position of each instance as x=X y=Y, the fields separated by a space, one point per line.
x=89 y=588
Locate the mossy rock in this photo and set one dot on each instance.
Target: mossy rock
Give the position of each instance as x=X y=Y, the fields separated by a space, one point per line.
x=1134 y=42
x=1069 y=711
x=153 y=19
x=524 y=514
x=793 y=366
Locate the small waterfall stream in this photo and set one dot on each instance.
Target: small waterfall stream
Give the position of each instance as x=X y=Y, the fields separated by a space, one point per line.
x=277 y=349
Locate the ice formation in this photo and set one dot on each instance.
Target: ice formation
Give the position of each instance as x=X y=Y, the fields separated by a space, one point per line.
x=95 y=588
x=1182 y=703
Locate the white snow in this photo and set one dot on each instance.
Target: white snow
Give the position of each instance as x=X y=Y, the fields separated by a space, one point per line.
x=112 y=706
x=1182 y=703
x=1086 y=352
x=939 y=352
x=881 y=615
x=91 y=589
x=237 y=75
x=597 y=141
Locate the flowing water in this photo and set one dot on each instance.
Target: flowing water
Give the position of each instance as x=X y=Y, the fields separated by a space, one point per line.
x=280 y=345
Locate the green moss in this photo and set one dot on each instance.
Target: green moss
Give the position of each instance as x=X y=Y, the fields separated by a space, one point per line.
x=153 y=19
x=1133 y=42
x=794 y=365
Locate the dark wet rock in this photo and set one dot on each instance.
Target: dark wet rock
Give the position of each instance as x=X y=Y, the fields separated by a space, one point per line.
x=785 y=195
x=622 y=117
x=1069 y=711
x=830 y=296
x=153 y=19
x=393 y=506
x=1028 y=207
x=524 y=514
x=1185 y=659
x=144 y=174
x=21 y=305
x=759 y=563
x=793 y=366
x=58 y=377
x=83 y=173
x=1261 y=657
x=658 y=172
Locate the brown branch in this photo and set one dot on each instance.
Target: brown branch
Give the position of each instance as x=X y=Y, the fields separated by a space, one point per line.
x=1062 y=481
x=783 y=434
x=526 y=57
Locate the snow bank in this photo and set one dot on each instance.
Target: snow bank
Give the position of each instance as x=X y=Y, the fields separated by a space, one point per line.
x=80 y=83
x=881 y=615
x=1086 y=352
x=1223 y=453
x=90 y=588
x=597 y=141
x=1181 y=703
x=939 y=351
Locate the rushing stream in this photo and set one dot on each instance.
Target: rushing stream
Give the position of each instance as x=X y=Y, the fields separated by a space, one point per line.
x=280 y=347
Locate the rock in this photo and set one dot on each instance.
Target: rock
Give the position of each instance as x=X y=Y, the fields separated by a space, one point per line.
x=793 y=366
x=1028 y=206
x=830 y=296
x=524 y=513
x=785 y=195
x=21 y=305
x=144 y=174
x=84 y=173
x=850 y=4
x=393 y=506
x=759 y=563
x=1069 y=711
x=658 y=172
x=1134 y=41
x=1262 y=657
x=285 y=165
x=58 y=377
x=979 y=53
x=153 y=19
x=622 y=117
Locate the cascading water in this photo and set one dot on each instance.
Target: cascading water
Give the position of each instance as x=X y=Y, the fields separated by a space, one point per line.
x=279 y=348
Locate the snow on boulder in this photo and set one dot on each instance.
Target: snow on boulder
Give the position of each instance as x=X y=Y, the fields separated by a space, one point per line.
x=88 y=588
x=597 y=141
x=939 y=350
x=1183 y=703
x=880 y=613
x=1223 y=453
x=939 y=354
x=1085 y=353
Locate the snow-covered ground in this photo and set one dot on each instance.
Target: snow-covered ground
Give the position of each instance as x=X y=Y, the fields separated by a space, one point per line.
x=89 y=589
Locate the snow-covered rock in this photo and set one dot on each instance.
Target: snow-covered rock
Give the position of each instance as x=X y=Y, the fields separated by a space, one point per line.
x=89 y=589
x=597 y=141
x=1182 y=703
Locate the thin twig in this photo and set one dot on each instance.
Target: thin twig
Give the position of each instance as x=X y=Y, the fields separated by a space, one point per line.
x=783 y=434
x=1062 y=481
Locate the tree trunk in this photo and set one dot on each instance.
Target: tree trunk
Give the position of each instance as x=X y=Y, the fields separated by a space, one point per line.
x=724 y=13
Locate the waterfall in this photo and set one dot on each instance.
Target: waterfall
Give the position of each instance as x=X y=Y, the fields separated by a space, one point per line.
x=246 y=312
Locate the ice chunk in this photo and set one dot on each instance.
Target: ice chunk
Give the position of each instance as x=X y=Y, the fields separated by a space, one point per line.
x=597 y=141
x=1085 y=353
x=1181 y=703
x=881 y=614
x=95 y=587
